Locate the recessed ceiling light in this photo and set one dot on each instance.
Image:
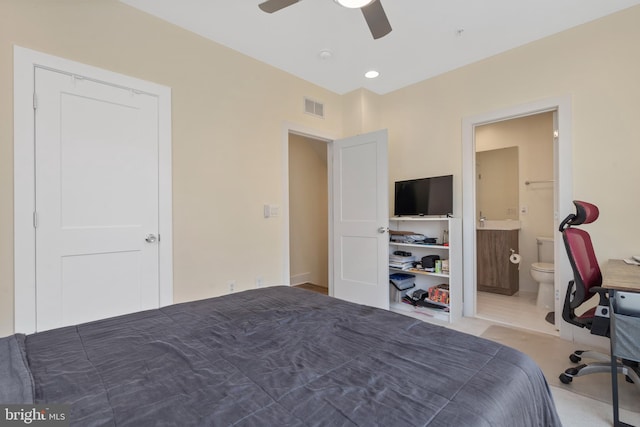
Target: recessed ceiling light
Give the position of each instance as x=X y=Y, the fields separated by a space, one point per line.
x=353 y=4
x=371 y=74
x=325 y=54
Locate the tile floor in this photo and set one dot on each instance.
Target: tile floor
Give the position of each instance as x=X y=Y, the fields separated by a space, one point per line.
x=518 y=311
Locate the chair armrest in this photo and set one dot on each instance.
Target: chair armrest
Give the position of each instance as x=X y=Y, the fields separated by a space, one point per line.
x=601 y=321
x=598 y=289
x=602 y=293
x=568 y=314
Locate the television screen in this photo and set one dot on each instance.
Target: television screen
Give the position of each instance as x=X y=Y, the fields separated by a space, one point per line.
x=424 y=196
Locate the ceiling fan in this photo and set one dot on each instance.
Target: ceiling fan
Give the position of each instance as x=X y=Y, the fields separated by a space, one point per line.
x=371 y=9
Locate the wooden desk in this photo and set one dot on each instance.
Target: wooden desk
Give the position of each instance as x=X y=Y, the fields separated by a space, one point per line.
x=619 y=276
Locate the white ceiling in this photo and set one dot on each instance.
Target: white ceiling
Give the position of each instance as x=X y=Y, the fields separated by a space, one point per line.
x=428 y=37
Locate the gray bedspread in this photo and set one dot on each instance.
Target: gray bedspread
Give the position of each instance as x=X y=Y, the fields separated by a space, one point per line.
x=16 y=383
x=283 y=357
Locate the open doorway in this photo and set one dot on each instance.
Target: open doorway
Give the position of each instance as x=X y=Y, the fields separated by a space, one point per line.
x=563 y=194
x=515 y=190
x=308 y=213
x=357 y=215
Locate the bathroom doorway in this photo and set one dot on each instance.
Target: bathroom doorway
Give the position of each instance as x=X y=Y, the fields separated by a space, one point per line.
x=514 y=161
x=563 y=195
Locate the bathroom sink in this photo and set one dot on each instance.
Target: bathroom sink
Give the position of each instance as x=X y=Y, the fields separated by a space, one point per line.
x=499 y=224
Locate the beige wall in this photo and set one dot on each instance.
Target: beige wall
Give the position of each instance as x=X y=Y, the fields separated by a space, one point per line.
x=308 y=211
x=361 y=112
x=533 y=137
x=228 y=114
x=596 y=64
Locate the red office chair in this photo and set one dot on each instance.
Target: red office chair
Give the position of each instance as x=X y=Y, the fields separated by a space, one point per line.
x=586 y=285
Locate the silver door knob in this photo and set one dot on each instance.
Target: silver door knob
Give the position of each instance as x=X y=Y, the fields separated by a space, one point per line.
x=382 y=230
x=151 y=238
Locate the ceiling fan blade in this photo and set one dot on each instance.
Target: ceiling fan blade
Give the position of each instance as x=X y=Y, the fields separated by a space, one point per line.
x=271 y=6
x=376 y=19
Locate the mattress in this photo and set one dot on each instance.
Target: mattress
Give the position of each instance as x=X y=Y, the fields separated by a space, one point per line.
x=275 y=356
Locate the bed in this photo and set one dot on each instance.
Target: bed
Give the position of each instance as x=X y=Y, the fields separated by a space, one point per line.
x=275 y=356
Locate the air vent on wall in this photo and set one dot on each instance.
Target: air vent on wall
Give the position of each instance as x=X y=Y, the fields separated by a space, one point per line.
x=314 y=108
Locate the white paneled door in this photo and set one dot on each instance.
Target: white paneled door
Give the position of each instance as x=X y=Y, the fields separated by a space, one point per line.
x=96 y=167
x=361 y=219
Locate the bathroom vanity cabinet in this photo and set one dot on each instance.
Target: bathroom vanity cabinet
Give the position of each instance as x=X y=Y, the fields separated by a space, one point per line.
x=495 y=272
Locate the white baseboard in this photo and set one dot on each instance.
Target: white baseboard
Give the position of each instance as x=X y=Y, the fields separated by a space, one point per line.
x=299 y=279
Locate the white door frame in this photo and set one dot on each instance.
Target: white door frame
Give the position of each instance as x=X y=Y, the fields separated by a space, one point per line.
x=25 y=62
x=563 y=175
x=294 y=128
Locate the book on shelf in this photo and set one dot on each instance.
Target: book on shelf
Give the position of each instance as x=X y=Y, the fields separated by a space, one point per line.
x=401 y=265
x=401 y=258
x=401 y=262
x=407 y=238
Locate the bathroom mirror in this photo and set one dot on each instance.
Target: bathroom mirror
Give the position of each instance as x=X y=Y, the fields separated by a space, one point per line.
x=497 y=191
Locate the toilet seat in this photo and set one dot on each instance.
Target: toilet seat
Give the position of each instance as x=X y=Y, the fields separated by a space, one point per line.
x=543 y=267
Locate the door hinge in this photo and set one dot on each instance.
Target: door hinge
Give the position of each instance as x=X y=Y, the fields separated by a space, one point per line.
x=35 y=101
x=35 y=219
x=556 y=133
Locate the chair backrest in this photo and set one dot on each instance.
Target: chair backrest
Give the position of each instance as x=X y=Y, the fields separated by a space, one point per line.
x=577 y=242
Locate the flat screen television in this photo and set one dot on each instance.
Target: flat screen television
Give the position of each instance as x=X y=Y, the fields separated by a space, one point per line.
x=424 y=196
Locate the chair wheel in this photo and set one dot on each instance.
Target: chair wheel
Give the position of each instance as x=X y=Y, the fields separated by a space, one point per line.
x=571 y=371
x=565 y=379
x=574 y=358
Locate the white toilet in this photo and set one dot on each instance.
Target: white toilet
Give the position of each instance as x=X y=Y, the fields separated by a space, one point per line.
x=542 y=272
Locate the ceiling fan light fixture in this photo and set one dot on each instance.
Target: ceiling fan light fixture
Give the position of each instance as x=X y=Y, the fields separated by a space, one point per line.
x=372 y=11
x=353 y=4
